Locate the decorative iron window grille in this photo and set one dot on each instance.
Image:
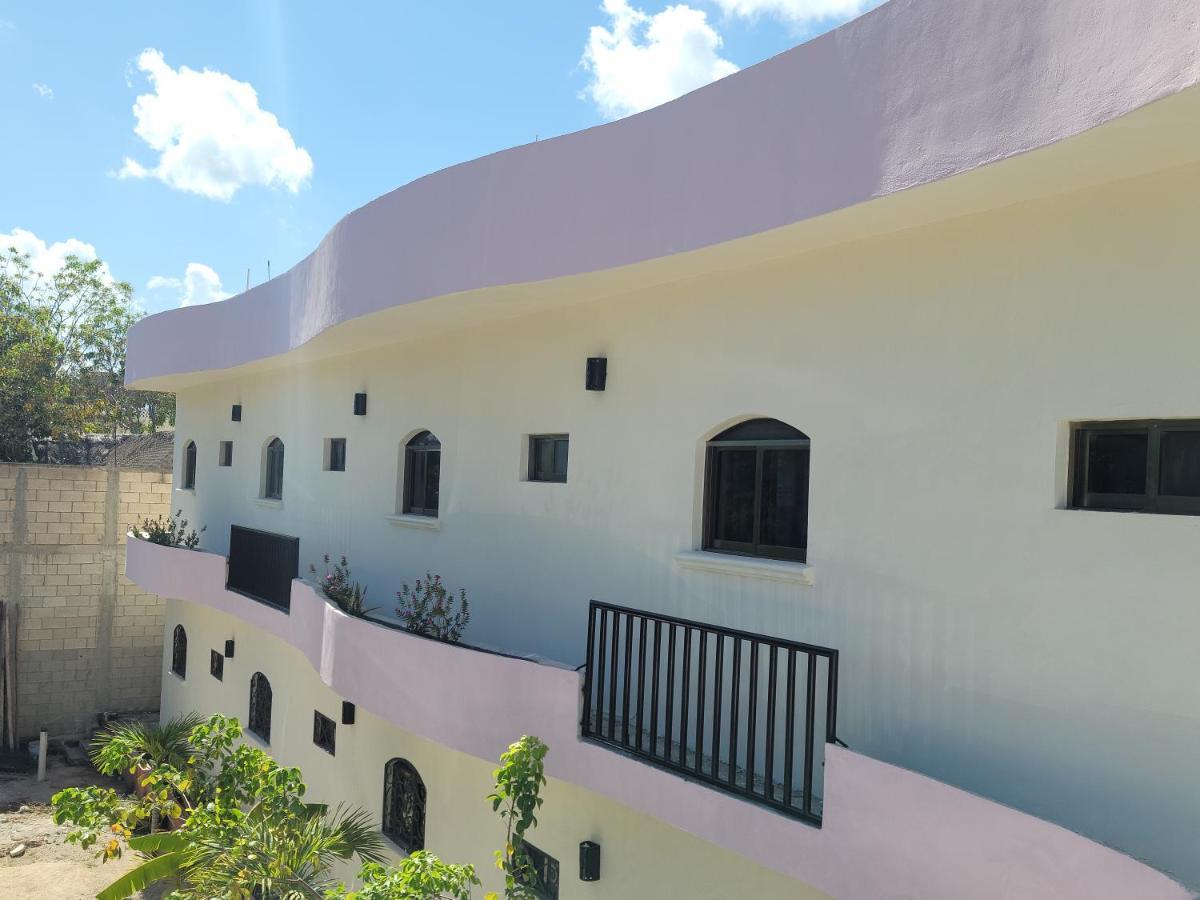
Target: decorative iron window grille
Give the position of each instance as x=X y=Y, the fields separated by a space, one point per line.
x=404 y=805
x=548 y=457
x=179 y=652
x=324 y=732
x=756 y=491
x=260 y=706
x=189 y=466
x=273 y=471
x=422 y=475
x=216 y=666
x=542 y=872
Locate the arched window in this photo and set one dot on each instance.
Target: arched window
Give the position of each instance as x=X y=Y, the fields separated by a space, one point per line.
x=179 y=652
x=273 y=470
x=404 y=805
x=189 y=466
x=422 y=474
x=260 y=706
x=756 y=491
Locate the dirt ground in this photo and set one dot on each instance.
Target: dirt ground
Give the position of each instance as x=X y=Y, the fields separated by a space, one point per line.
x=50 y=868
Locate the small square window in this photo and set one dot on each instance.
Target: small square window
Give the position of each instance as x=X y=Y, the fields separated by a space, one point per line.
x=335 y=455
x=216 y=665
x=324 y=732
x=548 y=457
x=225 y=455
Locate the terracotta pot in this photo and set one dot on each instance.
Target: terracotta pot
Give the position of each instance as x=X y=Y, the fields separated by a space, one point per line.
x=138 y=780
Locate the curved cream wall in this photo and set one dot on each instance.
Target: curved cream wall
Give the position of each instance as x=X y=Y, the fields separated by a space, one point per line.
x=640 y=856
x=1038 y=656
x=909 y=94
x=924 y=839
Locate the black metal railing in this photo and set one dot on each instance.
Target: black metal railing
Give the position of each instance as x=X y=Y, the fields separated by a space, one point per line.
x=262 y=565
x=737 y=711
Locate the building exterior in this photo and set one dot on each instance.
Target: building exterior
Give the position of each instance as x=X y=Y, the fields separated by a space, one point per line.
x=895 y=445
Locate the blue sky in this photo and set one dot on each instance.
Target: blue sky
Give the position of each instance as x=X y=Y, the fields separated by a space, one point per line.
x=185 y=143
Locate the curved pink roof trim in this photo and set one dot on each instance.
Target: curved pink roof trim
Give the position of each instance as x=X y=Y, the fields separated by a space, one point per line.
x=914 y=92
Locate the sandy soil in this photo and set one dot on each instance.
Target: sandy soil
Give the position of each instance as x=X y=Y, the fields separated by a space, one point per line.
x=50 y=868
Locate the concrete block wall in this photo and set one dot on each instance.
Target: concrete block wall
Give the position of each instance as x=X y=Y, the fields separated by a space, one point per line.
x=88 y=640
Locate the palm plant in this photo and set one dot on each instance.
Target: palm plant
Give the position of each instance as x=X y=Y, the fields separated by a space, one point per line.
x=125 y=746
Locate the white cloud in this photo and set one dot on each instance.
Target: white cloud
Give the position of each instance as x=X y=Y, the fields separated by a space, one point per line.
x=46 y=259
x=799 y=11
x=211 y=135
x=43 y=90
x=642 y=60
x=199 y=284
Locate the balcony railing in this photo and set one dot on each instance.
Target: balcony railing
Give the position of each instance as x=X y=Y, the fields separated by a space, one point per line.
x=262 y=565
x=737 y=711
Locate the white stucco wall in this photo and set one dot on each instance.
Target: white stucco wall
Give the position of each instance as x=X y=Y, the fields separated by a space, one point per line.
x=641 y=857
x=989 y=638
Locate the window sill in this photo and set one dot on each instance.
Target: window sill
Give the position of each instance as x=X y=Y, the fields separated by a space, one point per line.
x=745 y=566
x=182 y=490
x=429 y=523
x=268 y=503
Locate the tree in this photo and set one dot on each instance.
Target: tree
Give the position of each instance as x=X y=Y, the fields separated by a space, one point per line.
x=62 y=355
x=244 y=830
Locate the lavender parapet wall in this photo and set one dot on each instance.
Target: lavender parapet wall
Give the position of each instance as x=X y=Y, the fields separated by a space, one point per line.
x=912 y=93
x=887 y=832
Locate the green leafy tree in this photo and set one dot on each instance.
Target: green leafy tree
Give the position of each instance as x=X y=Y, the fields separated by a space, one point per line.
x=243 y=829
x=62 y=356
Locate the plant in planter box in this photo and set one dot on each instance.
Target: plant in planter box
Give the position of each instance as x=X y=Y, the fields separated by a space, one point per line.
x=171 y=532
x=340 y=587
x=428 y=608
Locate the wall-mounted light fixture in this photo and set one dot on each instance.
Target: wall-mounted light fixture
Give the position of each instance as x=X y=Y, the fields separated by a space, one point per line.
x=360 y=404
x=237 y=412
x=589 y=861
x=229 y=649
x=597 y=373
x=347 y=712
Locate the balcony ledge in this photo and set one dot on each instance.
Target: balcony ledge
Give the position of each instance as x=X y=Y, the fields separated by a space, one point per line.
x=745 y=566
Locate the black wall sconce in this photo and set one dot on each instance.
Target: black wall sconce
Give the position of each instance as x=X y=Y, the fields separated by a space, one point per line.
x=229 y=649
x=360 y=404
x=589 y=861
x=347 y=712
x=597 y=373
x=237 y=412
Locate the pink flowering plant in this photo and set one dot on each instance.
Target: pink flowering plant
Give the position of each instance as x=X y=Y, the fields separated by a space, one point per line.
x=430 y=609
x=340 y=587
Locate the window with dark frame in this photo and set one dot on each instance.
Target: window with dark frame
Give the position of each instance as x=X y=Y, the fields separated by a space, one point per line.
x=273 y=474
x=544 y=873
x=548 y=457
x=422 y=475
x=179 y=651
x=189 y=466
x=260 y=706
x=404 y=805
x=216 y=665
x=756 y=491
x=337 y=455
x=324 y=732
x=225 y=454
x=1149 y=465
